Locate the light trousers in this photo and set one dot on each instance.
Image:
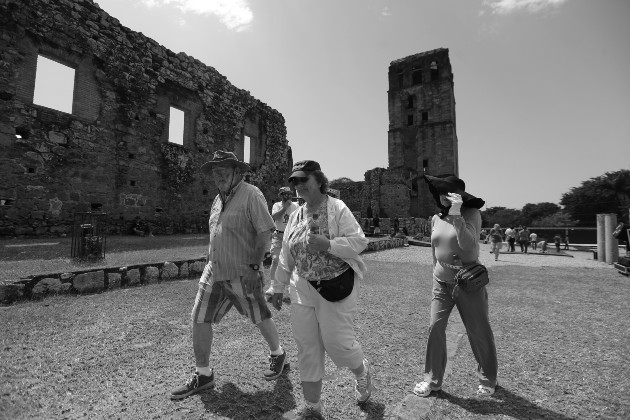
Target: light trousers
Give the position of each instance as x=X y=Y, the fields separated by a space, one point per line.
x=322 y=327
x=473 y=309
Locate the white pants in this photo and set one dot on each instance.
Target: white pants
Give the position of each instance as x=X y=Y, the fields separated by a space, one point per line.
x=320 y=327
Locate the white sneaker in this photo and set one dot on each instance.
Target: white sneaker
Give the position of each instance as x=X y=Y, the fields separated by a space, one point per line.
x=363 y=384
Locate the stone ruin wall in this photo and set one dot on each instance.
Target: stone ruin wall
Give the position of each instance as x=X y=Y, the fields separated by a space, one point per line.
x=112 y=150
x=421 y=138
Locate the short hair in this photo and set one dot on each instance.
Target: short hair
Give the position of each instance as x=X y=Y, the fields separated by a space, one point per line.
x=320 y=177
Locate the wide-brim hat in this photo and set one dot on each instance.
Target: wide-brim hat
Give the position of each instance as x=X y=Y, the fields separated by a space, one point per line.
x=444 y=184
x=303 y=168
x=284 y=190
x=224 y=158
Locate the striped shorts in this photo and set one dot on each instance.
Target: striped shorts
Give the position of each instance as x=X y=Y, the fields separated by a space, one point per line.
x=215 y=298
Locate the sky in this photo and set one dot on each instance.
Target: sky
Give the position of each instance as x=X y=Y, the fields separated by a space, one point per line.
x=542 y=87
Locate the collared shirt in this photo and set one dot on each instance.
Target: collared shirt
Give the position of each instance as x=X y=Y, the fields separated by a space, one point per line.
x=233 y=227
x=281 y=223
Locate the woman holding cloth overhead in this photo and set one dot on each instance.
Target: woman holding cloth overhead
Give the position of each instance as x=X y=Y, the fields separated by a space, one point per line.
x=320 y=263
x=455 y=243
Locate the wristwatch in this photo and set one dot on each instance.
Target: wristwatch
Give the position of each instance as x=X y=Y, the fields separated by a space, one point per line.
x=254 y=267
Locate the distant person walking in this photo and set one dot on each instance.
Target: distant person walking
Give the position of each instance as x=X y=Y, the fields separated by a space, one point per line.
x=454 y=243
x=510 y=236
x=523 y=239
x=280 y=213
x=240 y=232
x=376 y=222
x=556 y=240
x=533 y=238
x=566 y=241
x=496 y=241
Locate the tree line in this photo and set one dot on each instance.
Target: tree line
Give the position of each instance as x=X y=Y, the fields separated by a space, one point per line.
x=607 y=193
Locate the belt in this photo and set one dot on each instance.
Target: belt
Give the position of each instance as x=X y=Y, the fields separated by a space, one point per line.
x=454 y=267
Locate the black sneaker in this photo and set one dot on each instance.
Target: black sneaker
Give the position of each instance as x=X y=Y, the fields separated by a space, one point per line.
x=276 y=366
x=195 y=384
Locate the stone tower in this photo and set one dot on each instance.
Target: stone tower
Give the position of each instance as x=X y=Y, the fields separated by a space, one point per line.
x=422 y=131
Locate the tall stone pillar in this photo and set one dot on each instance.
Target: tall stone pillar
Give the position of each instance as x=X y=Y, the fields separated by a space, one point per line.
x=612 y=244
x=601 y=238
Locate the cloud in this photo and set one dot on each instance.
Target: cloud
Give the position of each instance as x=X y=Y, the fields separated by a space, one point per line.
x=234 y=14
x=504 y=7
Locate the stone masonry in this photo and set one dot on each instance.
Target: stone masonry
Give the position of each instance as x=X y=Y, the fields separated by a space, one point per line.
x=112 y=152
x=421 y=138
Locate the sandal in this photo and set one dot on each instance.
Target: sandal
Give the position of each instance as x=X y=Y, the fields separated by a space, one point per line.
x=485 y=391
x=423 y=389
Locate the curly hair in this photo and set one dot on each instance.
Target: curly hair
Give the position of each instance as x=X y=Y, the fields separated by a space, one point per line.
x=321 y=178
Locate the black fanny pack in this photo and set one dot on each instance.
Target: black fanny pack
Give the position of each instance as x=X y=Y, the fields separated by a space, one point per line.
x=335 y=289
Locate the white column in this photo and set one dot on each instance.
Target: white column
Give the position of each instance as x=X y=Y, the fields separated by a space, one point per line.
x=601 y=238
x=612 y=244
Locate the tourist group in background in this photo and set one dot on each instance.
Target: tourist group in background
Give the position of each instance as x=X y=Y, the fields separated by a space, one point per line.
x=315 y=252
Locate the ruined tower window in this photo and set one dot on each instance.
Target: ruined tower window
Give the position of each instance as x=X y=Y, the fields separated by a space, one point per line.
x=158 y=210
x=410 y=102
x=247 y=149
x=400 y=78
x=410 y=119
x=176 y=126
x=22 y=132
x=54 y=85
x=132 y=183
x=132 y=156
x=205 y=192
x=96 y=206
x=416 y=76
x=425 y=116
x=30 y=170
x=425 y=163
x=6 y=202
x=434 y=71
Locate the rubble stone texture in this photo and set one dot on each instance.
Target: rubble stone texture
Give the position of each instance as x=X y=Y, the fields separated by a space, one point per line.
x=112 y=152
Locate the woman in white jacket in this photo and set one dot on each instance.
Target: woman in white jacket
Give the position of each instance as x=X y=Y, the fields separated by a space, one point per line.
x=320 y=263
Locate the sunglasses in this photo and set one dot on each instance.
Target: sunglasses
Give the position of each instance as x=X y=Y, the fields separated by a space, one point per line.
x=298 y=180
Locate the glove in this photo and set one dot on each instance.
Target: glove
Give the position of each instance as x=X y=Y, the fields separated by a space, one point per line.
x=456 y=204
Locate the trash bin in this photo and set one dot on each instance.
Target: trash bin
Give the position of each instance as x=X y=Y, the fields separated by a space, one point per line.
x=88 y=236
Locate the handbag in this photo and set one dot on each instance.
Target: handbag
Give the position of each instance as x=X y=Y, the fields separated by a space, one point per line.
x=472 y=277
x=337 y=288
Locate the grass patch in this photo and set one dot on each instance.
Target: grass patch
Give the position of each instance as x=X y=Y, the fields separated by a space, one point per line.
x=562 y=340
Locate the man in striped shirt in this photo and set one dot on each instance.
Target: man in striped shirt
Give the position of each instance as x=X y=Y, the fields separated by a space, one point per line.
x=240 y=235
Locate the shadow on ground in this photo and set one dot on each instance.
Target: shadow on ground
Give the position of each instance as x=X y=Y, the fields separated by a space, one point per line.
x=506 y=403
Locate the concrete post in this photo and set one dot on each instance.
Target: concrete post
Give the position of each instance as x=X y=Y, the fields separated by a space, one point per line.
x=612 y=244
x=601 y=238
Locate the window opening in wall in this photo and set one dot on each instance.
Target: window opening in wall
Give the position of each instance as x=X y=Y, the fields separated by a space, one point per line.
x=409 y=119
x=21 y=132
x=54 y=85
x=400 y=78
x=247 y=144
x=434 y=71
x=30 y=170
x=204 y=192
x=176 y=126
x=6 y=202
x=416 y=76
x=158 y=210
x=410 y=102
x=96 y=206
x=425 y=116
x=132 y=156
x=132 y=183
x=425 y=163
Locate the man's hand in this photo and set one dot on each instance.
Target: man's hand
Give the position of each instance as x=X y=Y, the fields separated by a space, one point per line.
x=318 y=242
x=249 y=280
x=276 y=300
x=456 y=204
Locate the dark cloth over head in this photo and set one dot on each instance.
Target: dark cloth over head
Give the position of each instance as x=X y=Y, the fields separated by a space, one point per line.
x=444 y=184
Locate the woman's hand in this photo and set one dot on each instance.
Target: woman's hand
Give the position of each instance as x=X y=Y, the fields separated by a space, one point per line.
x=456 y=204
x=318 y=242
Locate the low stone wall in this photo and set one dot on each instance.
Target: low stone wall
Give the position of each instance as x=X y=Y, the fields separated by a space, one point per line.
x=98 y=280
x=108 y=278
